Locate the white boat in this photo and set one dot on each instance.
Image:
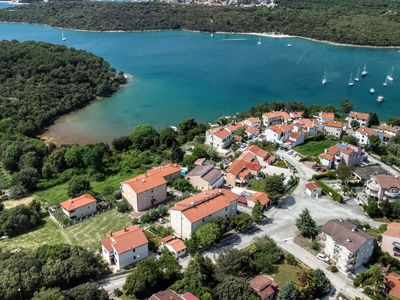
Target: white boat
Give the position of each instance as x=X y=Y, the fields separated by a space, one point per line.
x=385 y=83
x=390 y=75
x=364 y=72
x=379 y=99
x=63 y=38
x=372 y=91
x=351 y=82
x=357 y=78
x=289 y=45
x=212 y=34
x=259 y=41
x=324 y=79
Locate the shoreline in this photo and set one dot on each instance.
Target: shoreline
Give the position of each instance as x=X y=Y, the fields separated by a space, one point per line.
x=262 y=34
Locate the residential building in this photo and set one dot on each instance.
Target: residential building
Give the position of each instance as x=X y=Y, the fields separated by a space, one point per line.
x=341 y=153
x=306 y=126
x=243 y=169
x=147 y=190
x=202 y=161
x=335 y=128
x=125 y=247
x=363 y=134
x=295 y=138
x=393 y=285
x=346 y=245
x=389 y=132
x=189 y=214
x=278 y=133
x=219 y=138
x=205 y=177
x=324 y=117
x=296 y=115
x=264 y=286
x=259 y=197
x=175 y=245
x=263 y=157
x=275 y=117
x=252 y=122
x=361 y=118
x=364 y=173
x=383 y=187
x=79 y=207
x=172 y=295
x=313 y=189
x=391 y=240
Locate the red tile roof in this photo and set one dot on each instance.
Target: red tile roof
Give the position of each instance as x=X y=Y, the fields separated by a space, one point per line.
x=204 y=204
x=393 y=230
x=177 y=244
x=393 y=283
x=366 y=131
x=221 y=133
x=165 y=170
x=296 y=114
x=335 y=124
x=306 y=123
x=246 y=162
x=78 y=202
x=189 y=296
x=142 y=183
x=125 y=240
x=327 y=156
x=260 y=197
x=277 y=114
x=264 y=286
x=166 y=295
x=257 y=151
x=253 y=120
x=329 y=115
x=312 y=186
x=358 y=115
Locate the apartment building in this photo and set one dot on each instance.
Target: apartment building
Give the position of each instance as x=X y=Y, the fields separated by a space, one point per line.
x=391 y=240
x=346 y=245
x=189 y=214
x=384 y=187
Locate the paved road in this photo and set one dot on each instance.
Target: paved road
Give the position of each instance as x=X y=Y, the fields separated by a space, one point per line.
x=281 y=227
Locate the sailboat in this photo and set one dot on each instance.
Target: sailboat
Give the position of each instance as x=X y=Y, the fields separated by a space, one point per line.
x=357 y=78
x=351 y=82
x=385 y=83
x=379 y=99
x=372 y=91
x=390 y=75
x=259 y=41
x=364 y=72
x=63 y=38
x=324 y=79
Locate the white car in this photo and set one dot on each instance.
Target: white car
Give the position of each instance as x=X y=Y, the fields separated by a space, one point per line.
x=322 y=257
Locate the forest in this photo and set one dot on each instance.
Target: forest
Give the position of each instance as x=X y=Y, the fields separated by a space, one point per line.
x=39 y=82
x=363 y=22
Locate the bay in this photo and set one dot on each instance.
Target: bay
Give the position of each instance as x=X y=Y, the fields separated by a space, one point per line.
x=178 y=75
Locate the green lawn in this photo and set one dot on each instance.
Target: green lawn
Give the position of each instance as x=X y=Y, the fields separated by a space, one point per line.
x=287 y=273
x=87 y=234
x=314 y=149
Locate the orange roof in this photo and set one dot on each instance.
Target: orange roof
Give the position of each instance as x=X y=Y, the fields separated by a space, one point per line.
x=358 y=115
x=253 y=120
x=277 y=114
x=125 y=240
x=260 y=197
x=281 y=128
x=366 y=131
x=329 y=115
x=78 y=202
x=142 y=183
x=222 y=133
x=251 y=130
x=165 y=170
x=312 y=186
x=393 y=230
x=177 y=244
x=306 y=123
x=393 y=283
x=244 y=162
x=335 y=124
x=167 y=238
x=204 y=204
x=326 y=156
x=295 y=135
x=296 y=114
x=257 y=151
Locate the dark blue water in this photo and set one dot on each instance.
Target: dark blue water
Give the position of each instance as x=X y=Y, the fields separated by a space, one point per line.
x=177 y=75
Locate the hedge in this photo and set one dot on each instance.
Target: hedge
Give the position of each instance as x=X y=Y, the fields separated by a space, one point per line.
x=329 y=191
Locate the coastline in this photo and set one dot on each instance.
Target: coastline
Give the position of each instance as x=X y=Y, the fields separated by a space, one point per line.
x=275 y=35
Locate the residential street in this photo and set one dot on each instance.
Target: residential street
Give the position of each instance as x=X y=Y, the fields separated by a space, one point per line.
x=281 y=227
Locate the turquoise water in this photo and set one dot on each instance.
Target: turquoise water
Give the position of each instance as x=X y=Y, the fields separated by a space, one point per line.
x=5 y=5
x=178 y=75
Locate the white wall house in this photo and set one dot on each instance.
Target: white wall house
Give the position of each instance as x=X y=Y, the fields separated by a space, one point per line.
x=361 y=118
x=125 y=247
x=346 y=245
x=335 y=128
x=79 y=207
x=363 y=133
x=275 y=117
x=278 y=133
x=189 y=214
x=313 y=189
x=218 y=138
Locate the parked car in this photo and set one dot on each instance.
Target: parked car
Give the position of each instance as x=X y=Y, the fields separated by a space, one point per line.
x=322 y=257
x=290 y=152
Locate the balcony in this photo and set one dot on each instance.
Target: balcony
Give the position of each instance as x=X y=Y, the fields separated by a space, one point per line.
x=392 y=193
x=372 y=186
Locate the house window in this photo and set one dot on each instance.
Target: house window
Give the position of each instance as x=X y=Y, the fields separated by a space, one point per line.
x=203 y=220
x=226 y=208
x=133 y=250
x=134 y=257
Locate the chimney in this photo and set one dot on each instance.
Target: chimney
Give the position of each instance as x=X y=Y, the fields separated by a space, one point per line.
x=125 y=229
x=110 y=233
x=354 y=229
x=143 y=180
x=348 y=240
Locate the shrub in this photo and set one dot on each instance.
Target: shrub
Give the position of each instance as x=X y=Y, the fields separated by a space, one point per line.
x=329 y=191
x=334 y=269
x=291 y=260
x=314 y=245
x=123 y=206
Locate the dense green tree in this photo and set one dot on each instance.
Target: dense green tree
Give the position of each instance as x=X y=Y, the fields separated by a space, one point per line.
x=242 y=222
x=274 y=187
x=145 y=137
x=78 y=185
x=355 y=124
x=257 y=212
x=232 y=287
x=168 y=137
x=393 y=121
x=48 y=294
x=306 y=225
x=183 y=185
x=267 y=254
x=345 y=107
x=350 y=139
x=27 y=178
x=86 y=291
x=372 y=208
x=235 y=263
x=288 y=292
x=208 y=234
x=344 y=173
x=374 y=144
x=314 y=284
x=373 y=119
x=122 y=143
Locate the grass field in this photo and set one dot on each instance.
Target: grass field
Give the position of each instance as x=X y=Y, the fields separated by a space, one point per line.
x=87 y=234
x=58 y=193
x=314 y=149
x=287 y=273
